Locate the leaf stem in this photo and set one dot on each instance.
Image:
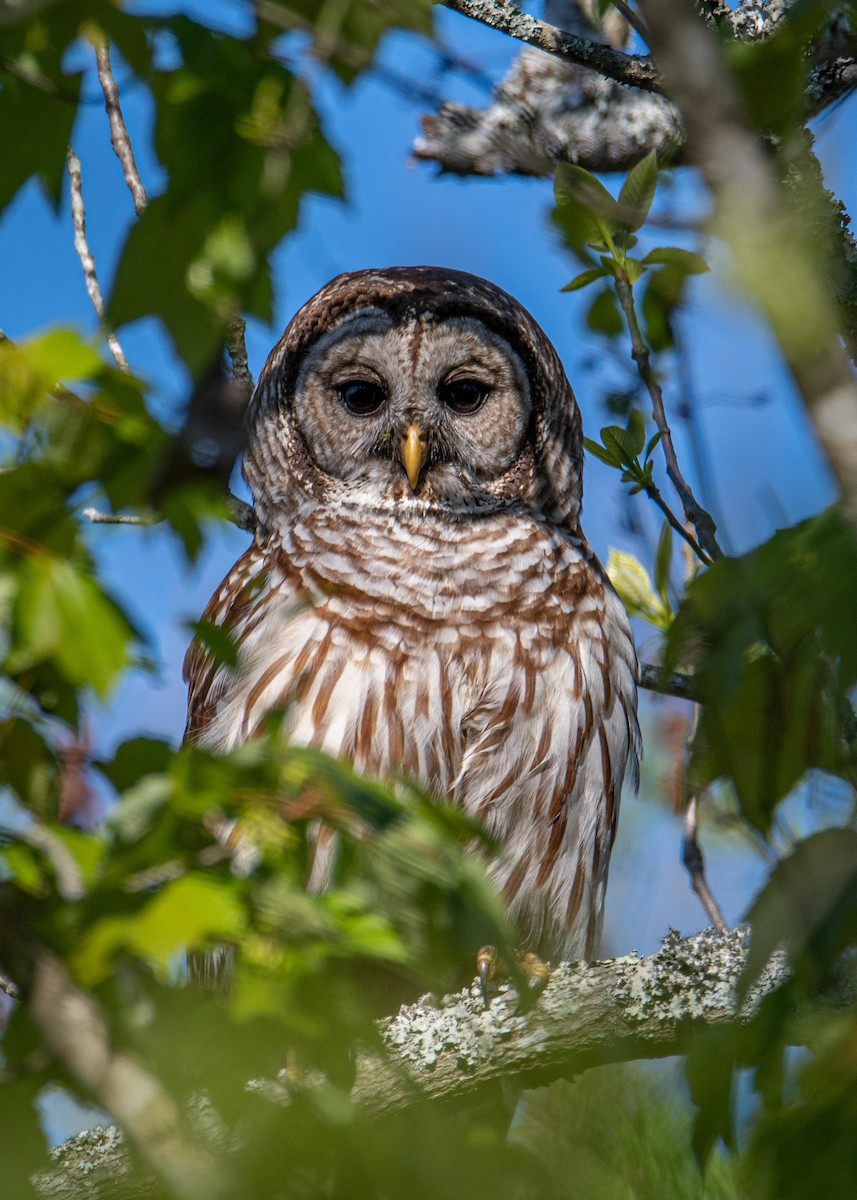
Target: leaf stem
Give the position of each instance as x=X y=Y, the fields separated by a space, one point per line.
x=702 y=521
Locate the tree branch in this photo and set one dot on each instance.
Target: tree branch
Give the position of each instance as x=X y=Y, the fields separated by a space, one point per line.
x=75 y=1030
x=636 y=70
x=120 y=139
x=694 y=863
x=87 y=260
x=549 y=109
x=240 y=513
x=675 y=684
x=701 y=520
x=589 y=1014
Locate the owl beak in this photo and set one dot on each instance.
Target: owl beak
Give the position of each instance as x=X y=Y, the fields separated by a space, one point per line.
x=414 y=453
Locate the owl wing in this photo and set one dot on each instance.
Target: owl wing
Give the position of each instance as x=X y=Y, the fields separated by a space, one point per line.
x=543 y=766
x=234 y=608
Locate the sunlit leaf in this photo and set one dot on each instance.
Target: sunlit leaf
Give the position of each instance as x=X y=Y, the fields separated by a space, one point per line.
x=638 y=191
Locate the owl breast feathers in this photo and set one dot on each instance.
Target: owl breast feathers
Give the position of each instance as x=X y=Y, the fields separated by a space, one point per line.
x=420 y=597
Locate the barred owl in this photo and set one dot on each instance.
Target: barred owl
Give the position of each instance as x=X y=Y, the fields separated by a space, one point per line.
x=420 y=598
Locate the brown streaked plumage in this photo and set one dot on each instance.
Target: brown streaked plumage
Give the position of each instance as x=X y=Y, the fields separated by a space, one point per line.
x=420 y=593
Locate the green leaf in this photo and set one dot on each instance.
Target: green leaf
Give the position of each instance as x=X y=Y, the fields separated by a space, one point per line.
x=771 y=74
x=611 y=457
x=584 y=212
x=604 y=315
x=61 y=613
x=187 y=913
x=584 y=278
x=636 y=429
x=661 y=295
x=623 y=442
x=42 y=123
x=651 y=444
x=638 y=191
x=631 y=581
x=31 y=370
x=238 y=136
x=634 y=269
x=808 y=906
x=217 y=640
x=675 y=256
x=663 y=560
x=774 y=648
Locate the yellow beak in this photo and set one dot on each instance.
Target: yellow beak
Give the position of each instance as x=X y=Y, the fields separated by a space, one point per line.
x=414 y=454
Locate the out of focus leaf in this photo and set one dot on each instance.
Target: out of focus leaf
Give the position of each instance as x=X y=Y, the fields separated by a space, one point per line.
x=675 y=256
x=604 y=315
x=808 y=906
x=185 y=913
x=239 y=139
x=63 y=614
x=631 y=581
x=775 y=652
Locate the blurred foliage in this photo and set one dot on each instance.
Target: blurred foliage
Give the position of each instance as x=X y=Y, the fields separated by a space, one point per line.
x=202 y=850
x=771 y=642
x=621 y=1133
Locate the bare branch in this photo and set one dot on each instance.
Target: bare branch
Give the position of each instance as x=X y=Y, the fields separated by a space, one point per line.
x=633 y=18
x=87 y=260
x=102 y=518
x=240 y=513
x=701 y=520
x=654 y=493
x=120 y=139
x=8 y=987
x=694 y=863
x=636 y=70
x=675 y=684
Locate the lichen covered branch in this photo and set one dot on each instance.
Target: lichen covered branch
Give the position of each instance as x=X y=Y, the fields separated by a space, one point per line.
x=633 y=69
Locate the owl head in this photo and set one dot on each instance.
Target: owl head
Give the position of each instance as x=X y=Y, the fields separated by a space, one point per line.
x=414 y=391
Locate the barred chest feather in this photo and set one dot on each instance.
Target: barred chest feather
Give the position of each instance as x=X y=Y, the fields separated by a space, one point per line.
x=488 y=659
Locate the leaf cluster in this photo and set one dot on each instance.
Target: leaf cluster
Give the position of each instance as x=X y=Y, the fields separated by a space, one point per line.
x=601 y=231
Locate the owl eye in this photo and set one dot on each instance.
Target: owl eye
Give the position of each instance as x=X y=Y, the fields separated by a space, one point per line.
x=463 y=395
x=361 y=397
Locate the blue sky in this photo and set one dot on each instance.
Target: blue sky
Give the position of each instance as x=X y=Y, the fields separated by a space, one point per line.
x=766 y=468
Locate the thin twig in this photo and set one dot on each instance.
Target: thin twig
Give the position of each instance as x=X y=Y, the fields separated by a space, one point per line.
x=120 y=139
x=654 y=493
x=240 y=513
x=102 y=518
x=87 y=260
x=8 y=987
x=636 y=70
x=633 y=18
x=694 y=863
x=701 y=520
x=655 y=679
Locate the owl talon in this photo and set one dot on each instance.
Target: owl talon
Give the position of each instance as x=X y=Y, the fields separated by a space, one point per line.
x=486 y=968
x=536 y=973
